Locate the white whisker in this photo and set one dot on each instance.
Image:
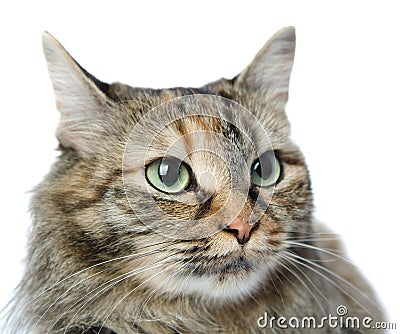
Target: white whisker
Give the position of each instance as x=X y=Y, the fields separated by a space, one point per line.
x=116 y=281
x=133 y=290
x=176 y=272
x=92 y=267
x=324 y=250
x=106 y=286
x=302 y=282
x=294 y=257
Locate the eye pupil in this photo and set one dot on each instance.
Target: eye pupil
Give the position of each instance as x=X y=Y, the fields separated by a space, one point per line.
x=264 y=169
x=169 y=171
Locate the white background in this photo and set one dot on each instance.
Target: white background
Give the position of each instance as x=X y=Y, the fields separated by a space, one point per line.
x=344 y=100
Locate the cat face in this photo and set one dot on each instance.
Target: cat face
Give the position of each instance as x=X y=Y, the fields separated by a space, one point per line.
x=176 y=191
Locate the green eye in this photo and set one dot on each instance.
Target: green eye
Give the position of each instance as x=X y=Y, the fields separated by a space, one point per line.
x=168 y=175
x=266 y=170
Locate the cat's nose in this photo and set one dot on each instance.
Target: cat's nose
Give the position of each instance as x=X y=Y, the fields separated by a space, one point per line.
x=241 y=229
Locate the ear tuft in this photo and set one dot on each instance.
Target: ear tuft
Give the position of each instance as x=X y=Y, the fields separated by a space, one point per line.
x=269 y=72
x=81 y=102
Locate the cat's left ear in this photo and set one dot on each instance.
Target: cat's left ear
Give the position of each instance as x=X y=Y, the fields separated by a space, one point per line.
x=269 y=72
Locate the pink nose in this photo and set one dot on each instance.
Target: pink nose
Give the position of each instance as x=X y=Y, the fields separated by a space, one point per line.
x=241 y=229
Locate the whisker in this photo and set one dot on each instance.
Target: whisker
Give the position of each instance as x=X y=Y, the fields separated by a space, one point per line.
x=302 y=282
x=136 y=255
x=107 y=285
x=176 y=272
x=185 y=286
x=278 y=291
x=323 y=250
x=318 y=238
x=118 y=280
x=91 y=267
x=133 y=290
x=69 y=289
x=311 y=233
x=294 y=257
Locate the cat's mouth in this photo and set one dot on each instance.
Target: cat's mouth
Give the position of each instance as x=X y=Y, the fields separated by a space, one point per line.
x=231 y=265
x=239 y=264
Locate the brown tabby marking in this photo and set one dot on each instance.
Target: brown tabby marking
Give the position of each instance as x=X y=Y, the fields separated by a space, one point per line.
x=97 y=264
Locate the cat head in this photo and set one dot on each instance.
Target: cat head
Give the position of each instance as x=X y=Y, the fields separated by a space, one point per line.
x=183 y=191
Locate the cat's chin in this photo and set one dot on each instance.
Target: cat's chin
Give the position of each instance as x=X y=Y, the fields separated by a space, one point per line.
x=230 y=283
x=218 y=287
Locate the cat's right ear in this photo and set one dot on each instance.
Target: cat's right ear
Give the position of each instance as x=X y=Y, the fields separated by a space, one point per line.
x=80 y=98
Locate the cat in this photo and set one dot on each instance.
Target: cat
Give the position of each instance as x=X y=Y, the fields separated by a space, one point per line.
x=183 y=210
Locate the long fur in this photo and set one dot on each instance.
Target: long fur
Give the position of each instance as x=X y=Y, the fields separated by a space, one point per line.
x=100 y=259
